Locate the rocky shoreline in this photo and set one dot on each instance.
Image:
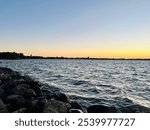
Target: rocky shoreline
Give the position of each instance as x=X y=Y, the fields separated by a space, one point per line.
x=21 y=94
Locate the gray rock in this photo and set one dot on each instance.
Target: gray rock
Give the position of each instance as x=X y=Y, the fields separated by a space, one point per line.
x=62 y=97
x=25 y=91
x=55 y=106
x=3 y=108
x=75 y=111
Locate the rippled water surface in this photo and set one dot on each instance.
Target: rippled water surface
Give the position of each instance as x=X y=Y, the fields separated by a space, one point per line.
x=112 y=82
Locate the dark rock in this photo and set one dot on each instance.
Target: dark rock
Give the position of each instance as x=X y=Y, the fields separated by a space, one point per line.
x=75 y=111
x=8 y=72
x=101 y=109
x=33 y=107
x=21 y=110
x=3 y=108
x=55 y=106
x=41 y=104
x=16 y=100
x=43 y=101
x=4 y=76
x=0 y=82
x=27 y=79
x=61 y=97
x=76 y=105
x=19 y=81
x=5 y=70
x=22 y=94
x=2 y=92
x=34 y=85
x=37 y=106
x=25 y=91
x=40 y=97
x=8 y=84
x=48 y=94
x=36 y=89
x=97 y=109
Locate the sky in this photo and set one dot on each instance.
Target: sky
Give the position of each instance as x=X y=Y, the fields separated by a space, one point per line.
x=76 y=28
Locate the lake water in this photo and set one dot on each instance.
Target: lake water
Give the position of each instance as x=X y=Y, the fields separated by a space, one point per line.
x=120 y=83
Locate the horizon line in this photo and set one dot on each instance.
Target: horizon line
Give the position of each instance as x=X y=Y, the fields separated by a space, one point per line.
x=75 y=57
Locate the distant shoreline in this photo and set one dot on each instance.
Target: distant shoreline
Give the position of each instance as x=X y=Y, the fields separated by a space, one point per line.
x=18 y=56
x=77 y=59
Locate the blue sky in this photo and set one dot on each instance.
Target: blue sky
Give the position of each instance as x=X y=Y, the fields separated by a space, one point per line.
x=95 y=28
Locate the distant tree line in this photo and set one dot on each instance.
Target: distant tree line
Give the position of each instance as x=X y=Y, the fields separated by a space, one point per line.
x=14 y=55
x=11 y=55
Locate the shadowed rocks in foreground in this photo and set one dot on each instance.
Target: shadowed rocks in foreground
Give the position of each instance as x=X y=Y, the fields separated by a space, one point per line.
x=21 y=94
x=3 y=108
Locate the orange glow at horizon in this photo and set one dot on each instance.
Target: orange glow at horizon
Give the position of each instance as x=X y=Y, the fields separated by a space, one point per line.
x=92 y=54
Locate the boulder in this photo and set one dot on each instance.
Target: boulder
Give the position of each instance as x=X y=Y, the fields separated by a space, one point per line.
x=48 y=94
x=61 y=97
x=55 y=106
x=36 y=106
x=9 y=72
x=35 y=86
x=76 y=105
x=4 y=76
x=33 y=107
x=41 y=104
x=3 y=108
x=25 y=91
x=101 y=109
x=5 y=70
x=8 y=84
x=16 y=100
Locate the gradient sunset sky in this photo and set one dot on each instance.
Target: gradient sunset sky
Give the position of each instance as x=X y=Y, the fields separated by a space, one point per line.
x=76 y=28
